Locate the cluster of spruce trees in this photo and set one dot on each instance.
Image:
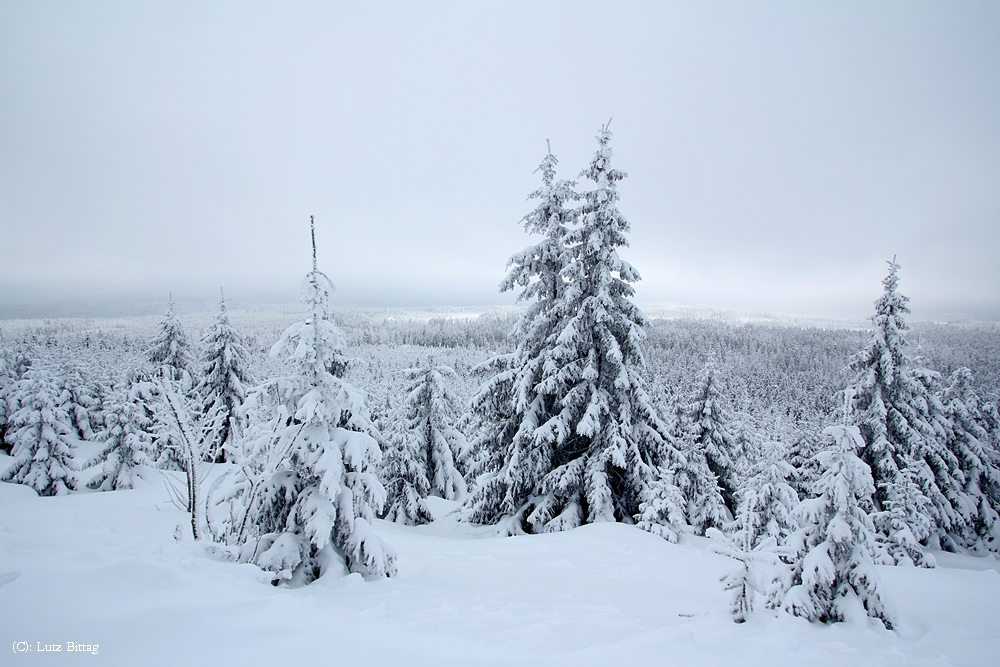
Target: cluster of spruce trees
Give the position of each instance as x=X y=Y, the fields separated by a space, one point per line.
x=562 y=432
x=52 y=401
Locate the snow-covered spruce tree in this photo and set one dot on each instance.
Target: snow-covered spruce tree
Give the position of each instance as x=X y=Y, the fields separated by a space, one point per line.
x=41 y=435
x=970 y=441
x=708 y=432
x=6 y=387
x=153 y=415
x=579 y=438
x=424 y=446
x=171 y=357
x=172 y=349
x=508 y=457
x=990 y=410
x=801 y=456
x=306 y=489
x=954 y=508
x=224 y=377
x=126 y=439
x=916 y=493
x=704 y=506
x=833 y=563
x=538 y=269
x=404 y=469
x=83 y=400
x=15 y=361
x=767 y=500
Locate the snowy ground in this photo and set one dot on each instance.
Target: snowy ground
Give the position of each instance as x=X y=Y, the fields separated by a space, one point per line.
x=105 y=569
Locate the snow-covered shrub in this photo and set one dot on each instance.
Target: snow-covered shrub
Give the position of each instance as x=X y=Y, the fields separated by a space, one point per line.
x=752 y=582
x=764 y=521
x=179 y=422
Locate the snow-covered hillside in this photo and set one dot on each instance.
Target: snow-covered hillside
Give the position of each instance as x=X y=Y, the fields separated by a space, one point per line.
x=105 y=569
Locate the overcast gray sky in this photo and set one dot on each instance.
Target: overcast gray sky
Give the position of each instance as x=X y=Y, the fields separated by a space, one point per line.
x=778 y=153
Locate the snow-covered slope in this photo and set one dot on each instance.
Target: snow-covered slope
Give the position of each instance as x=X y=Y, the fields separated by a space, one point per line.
x=105 y=569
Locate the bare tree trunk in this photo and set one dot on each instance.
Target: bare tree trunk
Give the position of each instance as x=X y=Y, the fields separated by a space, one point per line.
x=190 y=457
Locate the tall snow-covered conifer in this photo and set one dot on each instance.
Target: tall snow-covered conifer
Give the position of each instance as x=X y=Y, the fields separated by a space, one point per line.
x=509 y=453
x=307 y=490
x=224 y=376
x=588 y=445
x=916 y=493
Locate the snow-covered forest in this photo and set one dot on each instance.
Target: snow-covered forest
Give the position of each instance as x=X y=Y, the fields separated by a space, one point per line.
x=818 y=472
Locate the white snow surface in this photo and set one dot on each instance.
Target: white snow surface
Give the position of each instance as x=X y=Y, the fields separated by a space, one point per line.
x=106 y=569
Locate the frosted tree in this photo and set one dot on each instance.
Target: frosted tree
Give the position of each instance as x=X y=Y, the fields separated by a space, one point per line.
x=405 y=473
x=171 y=348
x=970 y=441
x=767 y=501
x=126 y=440
x=954 y=509
x=903 y=447
x=579 y=438
x=15 y=360
x=224 y=377
x=307 y=489
x=991 y=419
x=6 y=386
x=704 y=505
x=172 y=359
x=708 y=432
x=833 y=564
x=41 y=435
x=801 y=456
x=83 y=400
x=508 y=453
x=538 y=269
x=424 y=446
